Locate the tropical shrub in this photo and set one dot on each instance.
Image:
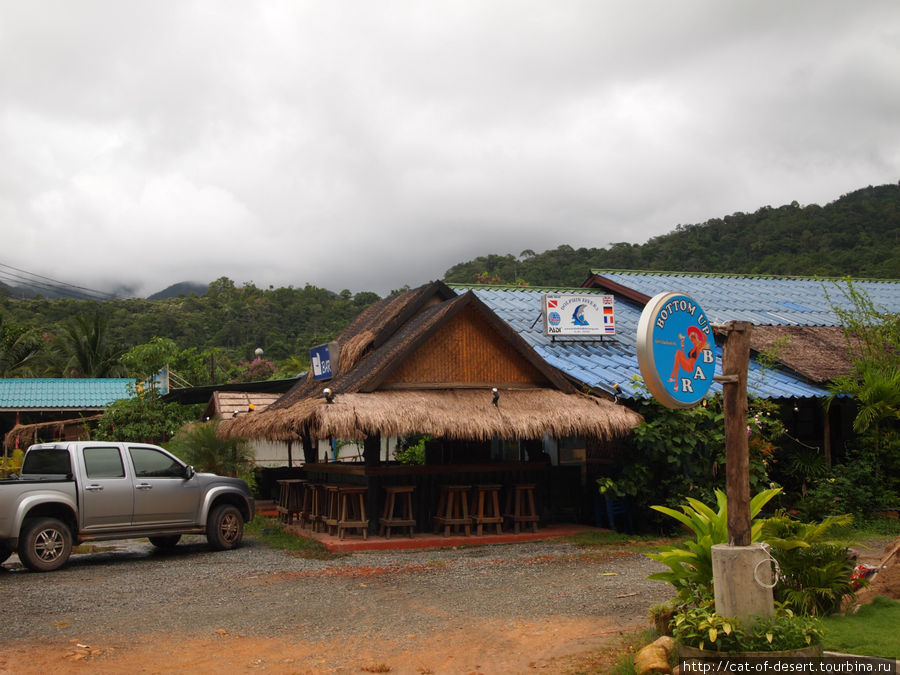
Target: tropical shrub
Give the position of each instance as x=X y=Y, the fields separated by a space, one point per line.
x=143 y=418
x=682 y=454
x=701 y=627
x=858 y=486
x=199 y=444
x=690 y=564
x=11 y=463
x=814 y=572
x=412 y=450
x=873 y=346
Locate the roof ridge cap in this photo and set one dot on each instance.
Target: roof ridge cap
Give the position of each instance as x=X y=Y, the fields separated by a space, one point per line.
x=511 y=287
x=739 y=275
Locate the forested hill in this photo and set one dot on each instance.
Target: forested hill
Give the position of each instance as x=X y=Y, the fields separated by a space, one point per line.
x=857 y=235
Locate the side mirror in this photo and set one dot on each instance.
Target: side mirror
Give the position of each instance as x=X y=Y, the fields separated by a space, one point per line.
x=189 y=472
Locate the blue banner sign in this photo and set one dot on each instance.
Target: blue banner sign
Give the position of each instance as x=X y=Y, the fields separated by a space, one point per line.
x=676 y=350
x=324 y=360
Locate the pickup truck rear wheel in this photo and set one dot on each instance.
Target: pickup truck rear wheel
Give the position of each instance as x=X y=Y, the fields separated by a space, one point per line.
x=224 y=527
x=45 y=544
x=165 y=542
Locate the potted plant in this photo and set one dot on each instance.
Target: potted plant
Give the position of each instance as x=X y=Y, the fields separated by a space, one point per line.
x=700 y=632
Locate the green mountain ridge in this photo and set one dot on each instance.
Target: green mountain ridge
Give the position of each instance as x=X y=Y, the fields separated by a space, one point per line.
x=217 y=330
x=857 y=235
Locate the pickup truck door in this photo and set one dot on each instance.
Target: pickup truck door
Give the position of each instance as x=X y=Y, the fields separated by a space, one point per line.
x=107 y=494
x=163 y=495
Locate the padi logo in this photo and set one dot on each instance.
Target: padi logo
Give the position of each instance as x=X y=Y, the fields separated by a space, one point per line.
x=554 y=318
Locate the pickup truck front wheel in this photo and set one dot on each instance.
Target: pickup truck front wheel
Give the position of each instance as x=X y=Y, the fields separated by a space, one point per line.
x=224 y=528
x=45 y=544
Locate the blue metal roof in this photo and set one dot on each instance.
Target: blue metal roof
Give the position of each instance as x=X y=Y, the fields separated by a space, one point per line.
x=62 y=393
x=603 y=363
x=763 y=301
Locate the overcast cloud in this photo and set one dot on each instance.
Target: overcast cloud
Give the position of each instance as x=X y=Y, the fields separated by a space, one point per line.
x=372 y=144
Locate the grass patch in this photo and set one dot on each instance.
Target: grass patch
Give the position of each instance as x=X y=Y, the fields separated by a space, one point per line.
x=872 y=631
x=605 y=538
x=272 y=534
x=878 y=528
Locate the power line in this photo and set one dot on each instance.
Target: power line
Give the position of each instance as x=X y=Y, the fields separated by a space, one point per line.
x=39 y=281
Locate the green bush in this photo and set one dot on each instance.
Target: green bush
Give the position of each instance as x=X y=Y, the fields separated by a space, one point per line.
x=12 y=463
x=815 y=572
x=857 y=486
x=199 y=444
x=690 y=564
x=413 y=450
x=682 y=454
x=701 y=627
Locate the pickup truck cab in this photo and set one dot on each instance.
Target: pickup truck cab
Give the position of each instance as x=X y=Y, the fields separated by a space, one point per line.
x=72 y=492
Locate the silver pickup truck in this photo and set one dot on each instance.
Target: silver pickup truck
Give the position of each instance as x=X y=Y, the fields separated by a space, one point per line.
x=72 y=492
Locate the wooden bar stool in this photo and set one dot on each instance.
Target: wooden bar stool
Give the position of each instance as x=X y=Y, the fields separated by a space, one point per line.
x=453 y=510
x=290 y=495
x=397 y=495
x=520 y=507
x=352 y=513
x=304 y=515
x=318 y=504
x=486 y=508
x=331 y=511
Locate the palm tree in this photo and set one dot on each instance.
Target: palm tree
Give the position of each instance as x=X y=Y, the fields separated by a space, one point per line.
x=200 y=445
x=90 y=353
x=19 y=348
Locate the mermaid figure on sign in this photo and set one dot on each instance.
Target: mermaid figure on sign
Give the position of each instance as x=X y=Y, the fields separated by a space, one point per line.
x=686 y=360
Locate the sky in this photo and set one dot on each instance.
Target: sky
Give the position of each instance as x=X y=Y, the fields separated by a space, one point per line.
x=367 y=145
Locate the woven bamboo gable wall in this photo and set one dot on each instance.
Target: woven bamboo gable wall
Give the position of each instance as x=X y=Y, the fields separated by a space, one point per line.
x=467 y=351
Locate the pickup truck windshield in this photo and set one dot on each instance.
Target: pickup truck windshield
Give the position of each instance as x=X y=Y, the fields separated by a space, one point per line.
x=47 y=461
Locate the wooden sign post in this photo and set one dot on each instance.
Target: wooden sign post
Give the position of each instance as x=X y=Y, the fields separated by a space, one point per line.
x=742 y=574
x=735 y=360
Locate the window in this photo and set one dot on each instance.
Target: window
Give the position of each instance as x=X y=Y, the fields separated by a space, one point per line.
x=103 y=463
x=150 y=463
x=48 y=461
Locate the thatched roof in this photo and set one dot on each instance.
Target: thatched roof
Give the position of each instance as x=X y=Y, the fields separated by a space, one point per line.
x=459 y=414
x=226 y=404
x=377 y=341
x=819 y=353
x=377 y=345
x=23 y=435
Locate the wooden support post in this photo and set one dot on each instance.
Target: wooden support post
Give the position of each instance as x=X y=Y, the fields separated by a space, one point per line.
x=310 y=455
x=735 y=360
x=372 y=450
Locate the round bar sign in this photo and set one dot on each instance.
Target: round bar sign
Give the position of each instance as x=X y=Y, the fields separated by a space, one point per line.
x=676 y=350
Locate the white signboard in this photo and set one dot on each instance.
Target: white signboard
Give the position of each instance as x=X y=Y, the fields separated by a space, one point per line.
x=582 y=315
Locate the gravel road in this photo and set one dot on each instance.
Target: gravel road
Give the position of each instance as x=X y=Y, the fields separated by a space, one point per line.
x=391 y=605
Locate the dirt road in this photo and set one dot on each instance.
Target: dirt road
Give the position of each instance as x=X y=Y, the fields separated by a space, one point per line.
x=494 y=609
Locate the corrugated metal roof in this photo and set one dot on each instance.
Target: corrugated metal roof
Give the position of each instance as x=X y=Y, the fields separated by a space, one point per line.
x=603 y=363
x=63 y=393
x=763 y=301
